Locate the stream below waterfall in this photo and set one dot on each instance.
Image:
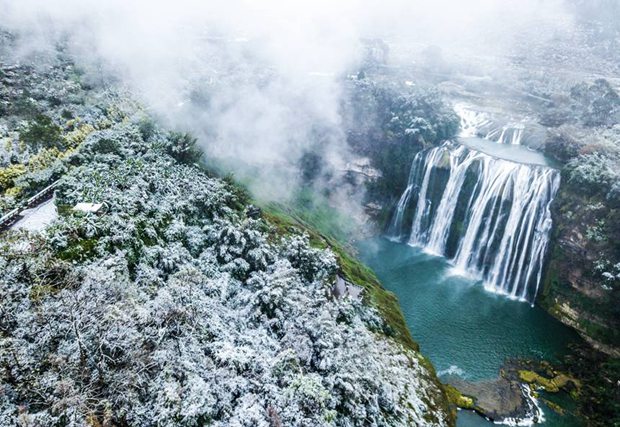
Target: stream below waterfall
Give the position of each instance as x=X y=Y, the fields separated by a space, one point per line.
x=465 y=258
x=462 y=328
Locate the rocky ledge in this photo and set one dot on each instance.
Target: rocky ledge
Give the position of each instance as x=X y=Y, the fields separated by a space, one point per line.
x=512 y=397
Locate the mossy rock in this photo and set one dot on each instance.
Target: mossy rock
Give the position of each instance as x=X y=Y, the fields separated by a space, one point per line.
x=458 y=399
x=554 y=407
x=444 y=162
x=552 y=385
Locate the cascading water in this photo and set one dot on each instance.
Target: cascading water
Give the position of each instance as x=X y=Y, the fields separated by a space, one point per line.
x=490 y=216
x=479 y=124
x=509 y=134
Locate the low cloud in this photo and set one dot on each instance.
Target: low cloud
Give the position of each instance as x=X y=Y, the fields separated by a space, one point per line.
x=260 y=83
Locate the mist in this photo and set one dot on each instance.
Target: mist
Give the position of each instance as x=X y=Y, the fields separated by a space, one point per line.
x=261 y=83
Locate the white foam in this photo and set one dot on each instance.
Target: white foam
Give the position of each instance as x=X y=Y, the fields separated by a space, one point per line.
x=452 y=370
x=535 y=413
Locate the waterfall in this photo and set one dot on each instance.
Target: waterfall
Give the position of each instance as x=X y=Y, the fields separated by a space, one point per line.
x=480 y=124
x=491 y=217
x=509 y=134
x=395 y=228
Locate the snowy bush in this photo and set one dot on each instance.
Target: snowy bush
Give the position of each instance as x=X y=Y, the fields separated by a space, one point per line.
x=592 y=172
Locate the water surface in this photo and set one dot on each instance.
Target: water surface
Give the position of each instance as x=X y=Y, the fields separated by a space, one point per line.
x=510 y=152
x=462 y=328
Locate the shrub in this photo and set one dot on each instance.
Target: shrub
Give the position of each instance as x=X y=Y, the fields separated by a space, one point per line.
x=183 y=147
x=562 y=146
x=42 y=132
x=9 y=174
x=598 y=103
x=592 y=172
x=390 y=123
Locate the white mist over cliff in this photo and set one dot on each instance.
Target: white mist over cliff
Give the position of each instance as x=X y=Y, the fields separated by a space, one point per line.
x=260 y=83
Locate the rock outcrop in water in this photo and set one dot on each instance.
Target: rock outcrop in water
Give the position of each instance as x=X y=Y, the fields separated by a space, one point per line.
x=512 y=398
x=499 y=400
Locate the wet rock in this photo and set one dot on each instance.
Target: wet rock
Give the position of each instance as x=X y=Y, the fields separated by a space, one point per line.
x=496 y=399
x=540 y=374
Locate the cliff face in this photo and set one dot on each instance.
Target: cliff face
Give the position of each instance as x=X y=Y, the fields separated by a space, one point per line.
x=581 y=285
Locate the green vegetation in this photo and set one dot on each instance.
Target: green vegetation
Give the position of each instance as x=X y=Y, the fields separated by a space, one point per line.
x=78 y=135
x=598 y=401
x=9 y=174
x=157 y=283
x=42 y=132
x=458 y=399
x=182 y=147
x=595 y=173
x=79 y=250
x=590 y=104
x=47 y=121
x=551 y=385
x=582 y=283
x=24 y=106
x=597 y=103
x=585 y=376
x=389 y=123
x=286 y=222
x=554 y=407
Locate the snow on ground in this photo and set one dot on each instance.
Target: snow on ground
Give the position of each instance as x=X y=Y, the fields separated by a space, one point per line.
x=343 y=288
x=37 y=218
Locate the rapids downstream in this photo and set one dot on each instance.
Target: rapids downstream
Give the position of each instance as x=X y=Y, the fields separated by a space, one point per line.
x=466 y=247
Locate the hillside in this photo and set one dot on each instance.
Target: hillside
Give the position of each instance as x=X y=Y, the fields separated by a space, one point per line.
x=177 y=303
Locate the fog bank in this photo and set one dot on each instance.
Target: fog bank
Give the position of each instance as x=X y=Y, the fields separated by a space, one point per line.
x=260 y=83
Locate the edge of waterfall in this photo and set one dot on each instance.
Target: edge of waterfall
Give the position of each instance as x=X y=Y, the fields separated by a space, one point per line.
x=501 y=235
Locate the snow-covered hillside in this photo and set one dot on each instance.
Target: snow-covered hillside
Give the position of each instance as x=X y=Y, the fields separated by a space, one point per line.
x=174 y=307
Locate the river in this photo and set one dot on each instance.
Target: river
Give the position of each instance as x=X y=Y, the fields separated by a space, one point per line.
x=464 y=329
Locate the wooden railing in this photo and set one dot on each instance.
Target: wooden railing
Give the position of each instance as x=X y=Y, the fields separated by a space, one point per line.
x=13 y=216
